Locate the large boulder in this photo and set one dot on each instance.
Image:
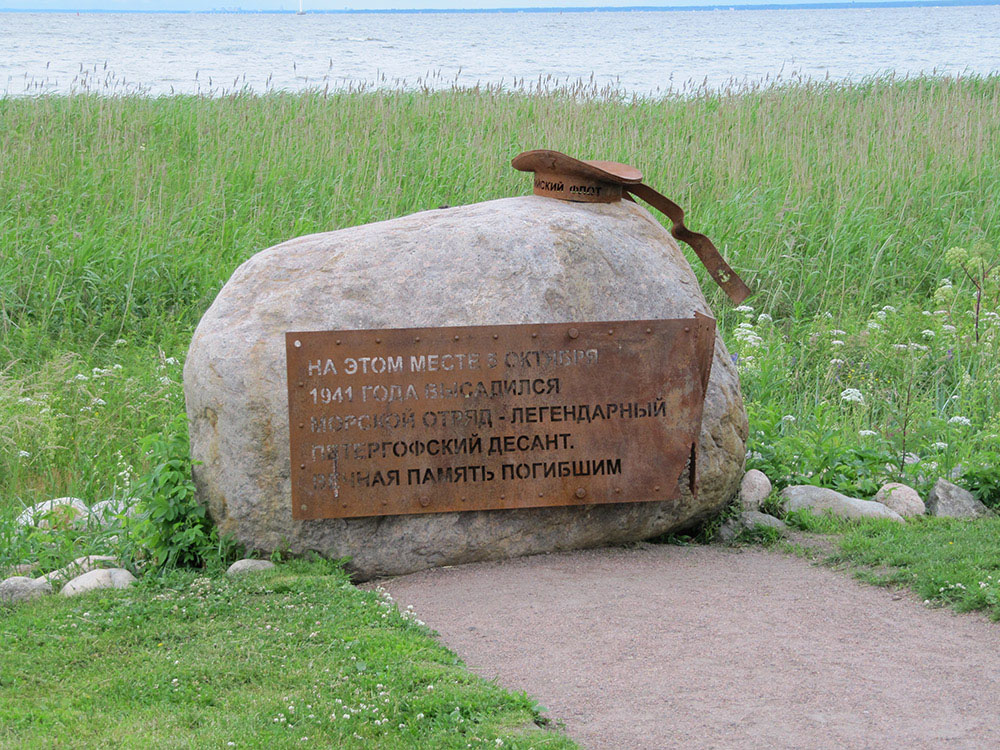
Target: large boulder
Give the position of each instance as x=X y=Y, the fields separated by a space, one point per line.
x=516 y=260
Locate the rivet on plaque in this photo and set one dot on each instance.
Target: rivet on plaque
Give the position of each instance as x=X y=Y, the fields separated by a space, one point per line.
x=656 y=488
x=496 y=335
x=534 y=335
x=302 y=466
x=417 y=338
x=425 y=501
x=687 y=329
x=378 y=341
x=618 y=490
x=580 y=492
x=456 y=338
x=301 y=425
x=297 y=343
x=573 y=333
x=338 y=342
x=301 y=384
x=302 y=507
x=611 y=331
x=649 y=330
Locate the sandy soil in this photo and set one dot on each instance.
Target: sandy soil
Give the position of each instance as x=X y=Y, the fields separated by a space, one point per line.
x=708 y=647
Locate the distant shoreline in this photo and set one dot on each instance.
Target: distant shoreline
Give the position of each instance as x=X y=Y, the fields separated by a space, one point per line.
x=864 y=4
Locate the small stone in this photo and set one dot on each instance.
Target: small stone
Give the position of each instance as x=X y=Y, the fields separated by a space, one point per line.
x=248 y=566
x=78 y=567
x=751 y=518
x=728 y=531
x=107 y=578
x=819 y=499
x=901 y=498
x=950 y=500
x=754 y=489
x=62 y=511
x=21 y=588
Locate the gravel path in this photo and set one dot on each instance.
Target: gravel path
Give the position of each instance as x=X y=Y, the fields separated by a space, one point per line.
x=708 y=647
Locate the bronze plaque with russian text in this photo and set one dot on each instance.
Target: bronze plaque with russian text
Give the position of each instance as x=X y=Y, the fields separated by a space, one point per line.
x=428 y=420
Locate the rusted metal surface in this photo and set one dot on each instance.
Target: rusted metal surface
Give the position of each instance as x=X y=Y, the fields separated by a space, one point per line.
x=429 y=420
x=589 y=181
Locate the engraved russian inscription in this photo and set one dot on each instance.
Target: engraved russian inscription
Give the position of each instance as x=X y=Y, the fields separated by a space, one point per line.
x=481 y=418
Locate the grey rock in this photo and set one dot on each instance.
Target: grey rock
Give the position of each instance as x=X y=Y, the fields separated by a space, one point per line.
x=820 y=499
x=754 y=489
x=516 y=260
x=901 y=498
x=105 y=578
x=751 y=518
x=78 y=567
x=21 y=588
x=58 y=511
x=728 y=531
x=248 y=566
x=947 y=499
x=747 y=520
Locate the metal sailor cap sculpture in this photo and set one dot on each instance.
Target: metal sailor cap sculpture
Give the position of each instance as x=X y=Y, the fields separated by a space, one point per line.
x=592 y=181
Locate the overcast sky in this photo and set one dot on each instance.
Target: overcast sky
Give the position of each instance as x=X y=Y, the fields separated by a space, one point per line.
x=360 y=4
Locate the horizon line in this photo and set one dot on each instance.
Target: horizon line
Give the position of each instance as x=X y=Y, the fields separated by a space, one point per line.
x=822 y=5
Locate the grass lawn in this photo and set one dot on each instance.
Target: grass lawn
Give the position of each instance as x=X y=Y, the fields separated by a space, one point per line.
x=293 y=657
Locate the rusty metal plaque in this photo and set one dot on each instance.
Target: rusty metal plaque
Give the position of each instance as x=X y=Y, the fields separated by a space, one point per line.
x=429 y=420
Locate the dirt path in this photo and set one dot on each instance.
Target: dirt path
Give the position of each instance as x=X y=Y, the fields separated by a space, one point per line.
x=707 y=647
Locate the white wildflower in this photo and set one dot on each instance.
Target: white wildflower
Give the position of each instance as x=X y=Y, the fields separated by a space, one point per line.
x=165 y=380
x=744 y=309
x=948 y=328
x=24 y=454
x=120 y=342
x=939 y=446
x=80 y=376
x=919 y=347
x=940 y=312
x=827 y=315
x=873 y=325
x=964 y=421
x=927 y=333
x=867 y=433
x=888 y=309
x=764 y=318
x=836 y=342
x=788 y=418
x=837 y=362
x=98 y=402
x=852 y=394
x=881 y=315
x=838 y=332
x=171 y=360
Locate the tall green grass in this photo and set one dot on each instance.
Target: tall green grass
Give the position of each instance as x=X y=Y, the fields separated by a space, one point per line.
x=121 y=217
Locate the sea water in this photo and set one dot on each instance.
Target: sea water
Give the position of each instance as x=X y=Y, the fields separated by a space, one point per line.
x=634 y=52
